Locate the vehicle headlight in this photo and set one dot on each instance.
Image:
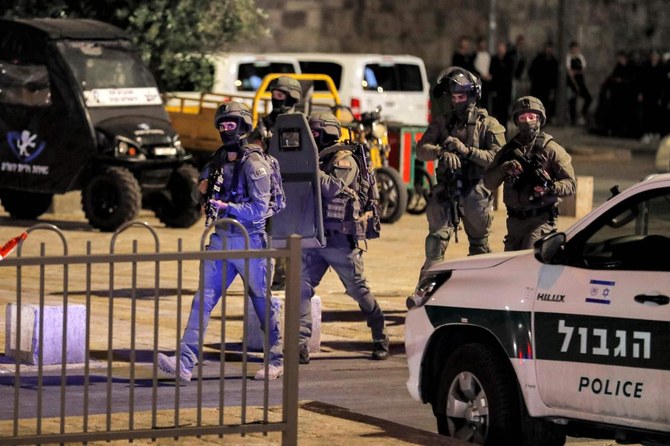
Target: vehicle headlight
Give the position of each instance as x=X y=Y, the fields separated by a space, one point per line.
x=378 y=130
x=126 y=147
x=178 y=145
x=428 y=284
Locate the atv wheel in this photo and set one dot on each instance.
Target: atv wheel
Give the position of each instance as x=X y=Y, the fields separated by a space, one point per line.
x=392 y=194
x=178 y=208
x=111 y=199
x=25 y=205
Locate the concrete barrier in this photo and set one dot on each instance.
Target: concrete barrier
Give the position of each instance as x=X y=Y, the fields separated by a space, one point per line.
x=255 y=334
x=52 y=347
x=581 y=203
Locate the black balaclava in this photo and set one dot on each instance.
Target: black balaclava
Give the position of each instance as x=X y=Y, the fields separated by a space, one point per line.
x=528 y=131
x=282 y=105
x=233 y=140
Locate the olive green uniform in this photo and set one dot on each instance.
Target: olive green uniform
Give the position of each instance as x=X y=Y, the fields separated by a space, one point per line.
x=460 y=194
x=529 y=216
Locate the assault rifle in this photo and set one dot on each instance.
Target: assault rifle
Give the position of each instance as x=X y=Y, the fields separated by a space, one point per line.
x=214 y=185
x=453 y=190
x=533 y=174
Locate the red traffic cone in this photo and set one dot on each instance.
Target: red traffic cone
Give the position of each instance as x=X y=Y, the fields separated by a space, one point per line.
x=11 y=244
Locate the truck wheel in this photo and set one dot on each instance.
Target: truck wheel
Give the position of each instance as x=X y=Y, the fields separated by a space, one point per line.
x=179 y=209
x=419 y=194
x=477 y=399
x=25 y=205
x=392 y=194
x=111 y=198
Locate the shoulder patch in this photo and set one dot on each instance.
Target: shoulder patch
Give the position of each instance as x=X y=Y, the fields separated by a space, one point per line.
x=258 y=172
x=343 y=164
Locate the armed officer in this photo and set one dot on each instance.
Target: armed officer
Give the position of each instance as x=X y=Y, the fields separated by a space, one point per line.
x=286 y=95
x=236 y=184
x=536 y=172
x=464 y=141
x=338 y=177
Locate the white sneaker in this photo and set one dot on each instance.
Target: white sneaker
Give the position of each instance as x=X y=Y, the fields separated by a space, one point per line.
x=274 y=372
x=168 y=364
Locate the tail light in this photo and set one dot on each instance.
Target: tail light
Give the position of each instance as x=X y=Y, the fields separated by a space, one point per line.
x=356 y=108
x=429 y=118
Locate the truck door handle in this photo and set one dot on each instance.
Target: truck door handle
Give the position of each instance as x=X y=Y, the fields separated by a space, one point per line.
x=658 y=299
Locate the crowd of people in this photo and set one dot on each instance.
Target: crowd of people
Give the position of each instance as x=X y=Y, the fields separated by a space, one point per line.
x=633 y=100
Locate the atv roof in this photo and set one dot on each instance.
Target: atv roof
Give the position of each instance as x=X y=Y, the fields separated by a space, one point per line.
x=67 y=28
x=27 y=40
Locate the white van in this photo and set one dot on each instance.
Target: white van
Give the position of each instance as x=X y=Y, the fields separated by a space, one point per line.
x=242 y=73
x=396 y=82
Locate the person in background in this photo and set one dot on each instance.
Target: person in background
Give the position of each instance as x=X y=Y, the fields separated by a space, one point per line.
x=543 y=75
x=482 y=65
x=502 y=77
x=575 y=63
x=464 y=57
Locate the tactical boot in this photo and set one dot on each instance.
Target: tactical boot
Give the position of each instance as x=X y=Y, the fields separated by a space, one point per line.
x=303 y=357
x=380 y=349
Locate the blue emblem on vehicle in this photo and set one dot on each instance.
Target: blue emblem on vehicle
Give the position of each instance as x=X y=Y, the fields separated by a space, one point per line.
x=25 y=145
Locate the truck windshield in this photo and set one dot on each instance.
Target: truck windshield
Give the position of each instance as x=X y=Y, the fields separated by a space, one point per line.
x=110 y=73
x=106 y=65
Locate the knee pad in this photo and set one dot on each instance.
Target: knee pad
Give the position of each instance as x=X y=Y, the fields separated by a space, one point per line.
x=435 y=246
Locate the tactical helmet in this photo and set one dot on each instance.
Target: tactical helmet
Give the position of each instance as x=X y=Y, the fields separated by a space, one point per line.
x=290 y=86
x=529 y=104
x=459 y=80
x=328 y=127
x=234 y=111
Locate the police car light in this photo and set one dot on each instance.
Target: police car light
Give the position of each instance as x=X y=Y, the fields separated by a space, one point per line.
x=428 y=284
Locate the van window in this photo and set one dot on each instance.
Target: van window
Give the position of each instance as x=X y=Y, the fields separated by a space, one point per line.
x=332 y=69
x=392 y=77
x=24 y=84
x=250 y=75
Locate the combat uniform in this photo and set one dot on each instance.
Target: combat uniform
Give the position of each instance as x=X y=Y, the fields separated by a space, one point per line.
x=531 y=216
x=339 y=184
x=483 y=136
x=246 y=188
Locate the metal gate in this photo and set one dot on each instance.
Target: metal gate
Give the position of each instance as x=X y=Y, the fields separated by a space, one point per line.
x=132 y=304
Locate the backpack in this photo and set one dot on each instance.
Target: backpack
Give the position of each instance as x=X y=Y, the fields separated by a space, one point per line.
x=369 y=221
x=277 y=195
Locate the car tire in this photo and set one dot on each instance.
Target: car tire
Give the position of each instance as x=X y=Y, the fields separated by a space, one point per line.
x=25 y=205
x=477 y=398
x=392 y=194
x=179 y=208
x=111 y=198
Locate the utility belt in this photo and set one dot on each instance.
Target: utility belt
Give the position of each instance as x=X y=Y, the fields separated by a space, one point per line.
x=551 y=210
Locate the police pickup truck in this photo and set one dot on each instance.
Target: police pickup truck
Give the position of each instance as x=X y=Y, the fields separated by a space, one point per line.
x=570 y=338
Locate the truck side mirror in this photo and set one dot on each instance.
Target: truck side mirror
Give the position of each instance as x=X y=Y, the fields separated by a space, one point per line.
x=549 y=249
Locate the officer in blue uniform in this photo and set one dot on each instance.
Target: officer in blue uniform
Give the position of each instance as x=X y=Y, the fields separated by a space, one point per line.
x=338 y=177
x=241 y=191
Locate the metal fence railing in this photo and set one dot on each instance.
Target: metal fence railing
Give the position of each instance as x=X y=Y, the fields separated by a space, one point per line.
x=83 y=331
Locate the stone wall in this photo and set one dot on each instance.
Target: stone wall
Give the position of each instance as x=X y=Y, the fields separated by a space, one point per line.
x=430 y=28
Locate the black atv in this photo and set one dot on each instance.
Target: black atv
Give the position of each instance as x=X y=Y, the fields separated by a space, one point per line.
x=79 y=110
